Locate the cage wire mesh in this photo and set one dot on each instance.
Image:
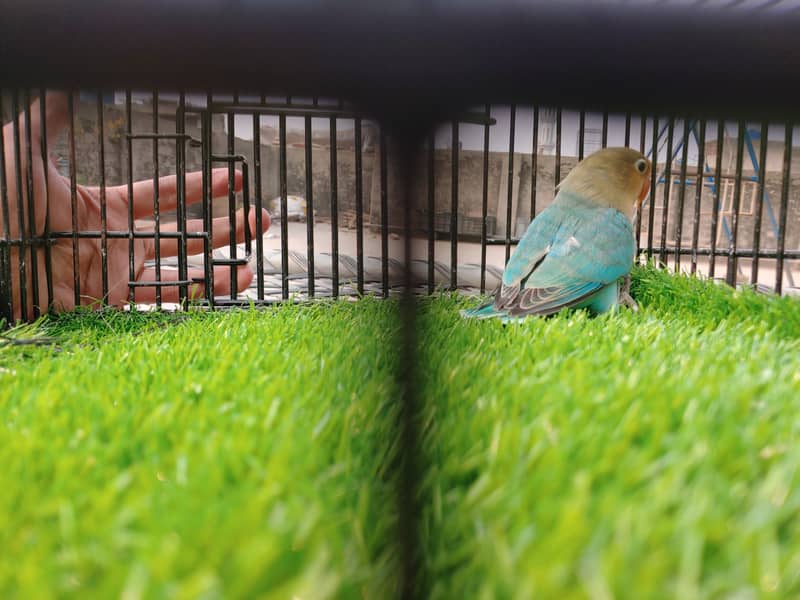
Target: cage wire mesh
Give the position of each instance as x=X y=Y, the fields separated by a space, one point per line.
x=722 y=204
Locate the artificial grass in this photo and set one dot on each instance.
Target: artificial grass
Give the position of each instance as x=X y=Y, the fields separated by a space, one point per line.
x=254 y=453
x=235 y=455
x=636 y=455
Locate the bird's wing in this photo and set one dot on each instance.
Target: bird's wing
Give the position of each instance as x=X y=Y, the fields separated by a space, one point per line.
x=531 y=250
x=586 y=254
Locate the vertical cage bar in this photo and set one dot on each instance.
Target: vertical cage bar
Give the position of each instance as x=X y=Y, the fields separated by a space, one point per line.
x=156 y=201
x=643 y=134
x=653 y=181
x=129 y=161
x=48 y=259
x=284 y=207
x=384 y=215
x=259 y=207
x=23 y=284
x=786 y=184
x=180 y=173
x=234 y=274
x=101 y=146
x=485 y=194
x=557 y=175
x=359 y=206
x=208 y=199
x=762 y=174
x=717 y=187
x=29 y=196
x=681 y=193
x=698 y=196
x=581 y=133
x=334 y=207
x=730 y=276
x=309 y=207
x=454 y=207
x=627 y=129
x=7 y=292
x=604 y=141
x=638 y=225
x=662 y=256
x=510 y=195
x=431 y=211
x=534 y=159
x=73 y=193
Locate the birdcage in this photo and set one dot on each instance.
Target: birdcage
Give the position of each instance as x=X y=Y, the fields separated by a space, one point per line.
x=212 y=155
x=398 y=191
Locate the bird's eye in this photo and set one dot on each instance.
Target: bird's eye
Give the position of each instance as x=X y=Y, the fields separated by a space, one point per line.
x=641 y=165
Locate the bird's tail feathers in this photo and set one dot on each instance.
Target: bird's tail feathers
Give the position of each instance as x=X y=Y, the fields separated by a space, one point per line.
x=485 y=311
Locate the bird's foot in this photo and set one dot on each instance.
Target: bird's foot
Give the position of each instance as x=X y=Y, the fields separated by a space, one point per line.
x=627 y=300
x=625 y=297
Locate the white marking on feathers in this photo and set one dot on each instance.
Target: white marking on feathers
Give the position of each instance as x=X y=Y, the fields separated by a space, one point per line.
x=573 y=243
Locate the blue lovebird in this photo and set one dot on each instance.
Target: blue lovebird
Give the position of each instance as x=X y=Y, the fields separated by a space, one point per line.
x=576 y=251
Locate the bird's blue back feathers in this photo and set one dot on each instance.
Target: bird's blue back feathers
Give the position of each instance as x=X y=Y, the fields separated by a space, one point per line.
x=570 y=255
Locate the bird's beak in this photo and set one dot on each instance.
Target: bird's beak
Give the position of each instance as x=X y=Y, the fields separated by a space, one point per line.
x=645 y=190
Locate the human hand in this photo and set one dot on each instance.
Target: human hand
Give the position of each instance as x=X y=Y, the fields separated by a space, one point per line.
x=85 y=286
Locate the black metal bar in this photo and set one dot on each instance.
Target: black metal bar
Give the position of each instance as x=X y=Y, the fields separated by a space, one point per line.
x=29 y=196
x=234 y=275
x=677 y=173
x=604 y=140
x=510 y=195
x=208 y=201
x=48 y=255
x=156 y=201
x=359 y=206
x=164 y=136
x=740 y=253
x=259 y=207
x=7 y=292
x=227 y=262
x=248 y=234
x=667 y=181
x=309 y=206
x=643 y=134
x=698 y=197
x=581 y=133
x=96 y=234
x=730 y=276
x=23 y=284
x=384 y=215
x=682 y=191
x=787 y=182
x=627 y=129
x=431 y=210
x=717 y=188
x=284 y=207
x=557 y=176
x=454 y=157
x=334 y=207
x=103 y=205
x=129 y=161
x=161 y=284
x=485 y=195
x=637 y=228
x=534 y=159
x=180 y=179
x=762 y=174
x=272 y=109
x=653 y=178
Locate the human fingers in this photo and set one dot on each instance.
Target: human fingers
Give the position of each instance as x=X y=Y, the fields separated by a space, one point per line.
x=144 y=192
x=221 y=230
